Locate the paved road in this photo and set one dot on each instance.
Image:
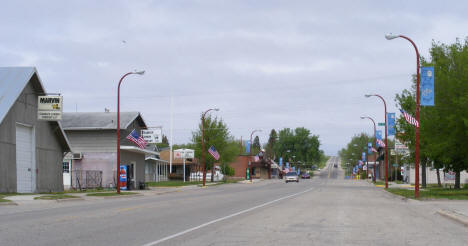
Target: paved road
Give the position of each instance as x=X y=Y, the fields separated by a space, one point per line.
x=326 y=210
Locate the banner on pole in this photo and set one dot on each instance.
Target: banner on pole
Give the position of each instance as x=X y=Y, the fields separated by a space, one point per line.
x=427 y=86
x=247 y=146
x=369 y=148
x=378 y=134
x=391 y=124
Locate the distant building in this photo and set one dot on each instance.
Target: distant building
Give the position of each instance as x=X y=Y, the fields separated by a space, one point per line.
x=93 y=138
x=261 y=169
x=31 y=150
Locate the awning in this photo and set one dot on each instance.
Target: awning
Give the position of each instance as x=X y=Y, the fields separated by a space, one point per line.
x=155 y=159
x=138 y=150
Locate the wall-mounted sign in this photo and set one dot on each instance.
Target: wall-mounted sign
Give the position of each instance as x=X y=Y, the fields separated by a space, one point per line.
x=49 y=108
x=184 y=154
x=152 y=135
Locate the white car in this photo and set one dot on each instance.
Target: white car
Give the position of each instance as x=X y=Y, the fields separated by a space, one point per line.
x=291 y=177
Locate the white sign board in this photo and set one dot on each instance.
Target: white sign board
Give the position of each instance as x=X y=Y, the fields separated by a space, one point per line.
x=49 y=108
x=184 y=154
x=152 y=135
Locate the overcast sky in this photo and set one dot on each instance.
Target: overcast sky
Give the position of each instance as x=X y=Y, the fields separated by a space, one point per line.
x=265 y=64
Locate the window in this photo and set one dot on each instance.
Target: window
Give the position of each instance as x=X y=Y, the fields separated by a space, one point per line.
x=66 y=166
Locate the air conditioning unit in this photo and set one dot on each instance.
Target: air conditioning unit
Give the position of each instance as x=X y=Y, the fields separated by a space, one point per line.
x=77 y=156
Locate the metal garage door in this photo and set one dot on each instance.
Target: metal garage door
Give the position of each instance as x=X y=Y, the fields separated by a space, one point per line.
x=25 y=165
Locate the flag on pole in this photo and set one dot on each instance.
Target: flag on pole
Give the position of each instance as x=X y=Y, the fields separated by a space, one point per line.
x=137 y=139
x=256 y=159
x=410 y=119
x=374 y=150
x=380 y=143
x=213 y=152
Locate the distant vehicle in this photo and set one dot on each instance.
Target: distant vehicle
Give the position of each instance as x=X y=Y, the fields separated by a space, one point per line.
x=305 y=176
x=291 y=177
x=318 y=169
x=335 y=166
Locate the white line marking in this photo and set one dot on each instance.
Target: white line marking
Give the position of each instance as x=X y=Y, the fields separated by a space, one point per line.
x=224 y=218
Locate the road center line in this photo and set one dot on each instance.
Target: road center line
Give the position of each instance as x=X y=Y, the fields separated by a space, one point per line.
x=224 y=218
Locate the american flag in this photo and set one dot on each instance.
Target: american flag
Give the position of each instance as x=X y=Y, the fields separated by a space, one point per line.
x=138 y=140
x=256 y=159
x=380 y=143
x=213 y=152
x=410 y=119
x=373 y=150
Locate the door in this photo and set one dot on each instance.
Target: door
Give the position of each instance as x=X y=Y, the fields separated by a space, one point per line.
x=25 y=166
x=66 y=174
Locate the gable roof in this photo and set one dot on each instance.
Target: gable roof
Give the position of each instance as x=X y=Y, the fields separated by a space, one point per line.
x=99 y=120
x=13 y=80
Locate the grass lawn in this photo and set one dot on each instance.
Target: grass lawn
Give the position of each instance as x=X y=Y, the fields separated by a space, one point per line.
x=3 y=200
x=173 y=183
x=379 y=182
x=54 y=197
x=89 y=191
x=433 y=193
x=111 y=194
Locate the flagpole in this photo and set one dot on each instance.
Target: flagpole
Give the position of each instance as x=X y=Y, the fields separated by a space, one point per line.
x=171 y=137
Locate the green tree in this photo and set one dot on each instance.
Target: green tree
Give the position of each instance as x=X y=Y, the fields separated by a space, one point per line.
x=269 y=147
x=256 y=145
x=444 y=127
x=164 y=143
x=217 y=135
x=299 y=146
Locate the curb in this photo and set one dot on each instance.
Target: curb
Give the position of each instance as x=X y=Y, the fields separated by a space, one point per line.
x=121 y=196
x=70 y=199
x=8 y=204
x=454 y=216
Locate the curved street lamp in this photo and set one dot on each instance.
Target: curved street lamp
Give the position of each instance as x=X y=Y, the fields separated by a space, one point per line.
x=375 y=144
x=386 y=145
x=203 y=143
x=118 y=126
x=416 y=157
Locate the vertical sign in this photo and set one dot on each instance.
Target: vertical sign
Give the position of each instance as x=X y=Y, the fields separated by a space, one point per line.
x=123 y=177
x=363 y=156
x=247 y=146
x=281 y=162
x=369 y=148
x=391 y=124
x=427 y=86
x=378 y=134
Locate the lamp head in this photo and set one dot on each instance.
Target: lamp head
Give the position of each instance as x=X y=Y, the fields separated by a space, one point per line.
x=362 y=117
x=139 y=72
x=367 y=95
x=216 y=109
x=391 y=36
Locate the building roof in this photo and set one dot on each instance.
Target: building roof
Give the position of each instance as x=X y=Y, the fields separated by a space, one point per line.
x=13 y=80
x=99 y=120
x=138 y=150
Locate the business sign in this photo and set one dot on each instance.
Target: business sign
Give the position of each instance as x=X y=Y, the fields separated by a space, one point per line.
x=123 y=177
x=401 y=148
x=391 y=124
x=427 y=86
x=449 y=176
x=152 y=135
x=49 y=108
x=184 y=154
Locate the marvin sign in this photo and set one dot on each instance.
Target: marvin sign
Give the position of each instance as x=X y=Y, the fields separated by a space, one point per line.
x=49 y=108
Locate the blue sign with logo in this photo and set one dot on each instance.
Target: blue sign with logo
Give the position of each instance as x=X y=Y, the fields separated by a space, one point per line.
x=427 y=86
x=378 y=134
x=123 y=177
x=391 y=124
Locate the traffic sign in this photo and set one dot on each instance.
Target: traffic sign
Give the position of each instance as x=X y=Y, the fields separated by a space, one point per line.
x=381 y=124
x=395 y=165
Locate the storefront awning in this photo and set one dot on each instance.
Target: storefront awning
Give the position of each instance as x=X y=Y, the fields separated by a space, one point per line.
x=138 y=150
x=155 y=159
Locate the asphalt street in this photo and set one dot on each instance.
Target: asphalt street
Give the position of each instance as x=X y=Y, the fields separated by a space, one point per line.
x=326 y=210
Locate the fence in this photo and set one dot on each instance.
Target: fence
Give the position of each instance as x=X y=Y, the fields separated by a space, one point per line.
x=86 y=179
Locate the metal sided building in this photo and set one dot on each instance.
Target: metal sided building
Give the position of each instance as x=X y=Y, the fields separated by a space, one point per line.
x=31 y=150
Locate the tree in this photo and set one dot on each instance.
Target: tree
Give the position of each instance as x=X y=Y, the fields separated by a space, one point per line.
x=353 y=151
x=164 y=143
x=256 y=145
x=443 y=127
x=269 y=148
x=217 y=135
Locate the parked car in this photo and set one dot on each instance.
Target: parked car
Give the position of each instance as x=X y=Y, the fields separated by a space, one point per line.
x=305 y=176
x=291 y=177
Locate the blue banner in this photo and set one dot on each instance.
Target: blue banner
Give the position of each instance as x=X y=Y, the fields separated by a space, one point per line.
x=281 y=161
x=427 y=86
x=247 y=146
x=369 y=148
x=287 y=164
x=391 y=124
x=363 y=156
x=378 y=134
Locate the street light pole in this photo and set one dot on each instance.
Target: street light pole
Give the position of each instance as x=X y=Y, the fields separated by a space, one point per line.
x=375 y=144
x=251 y=145
x=203 y=143
x=118 y=128
x=416 y=158
x=386 y=145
